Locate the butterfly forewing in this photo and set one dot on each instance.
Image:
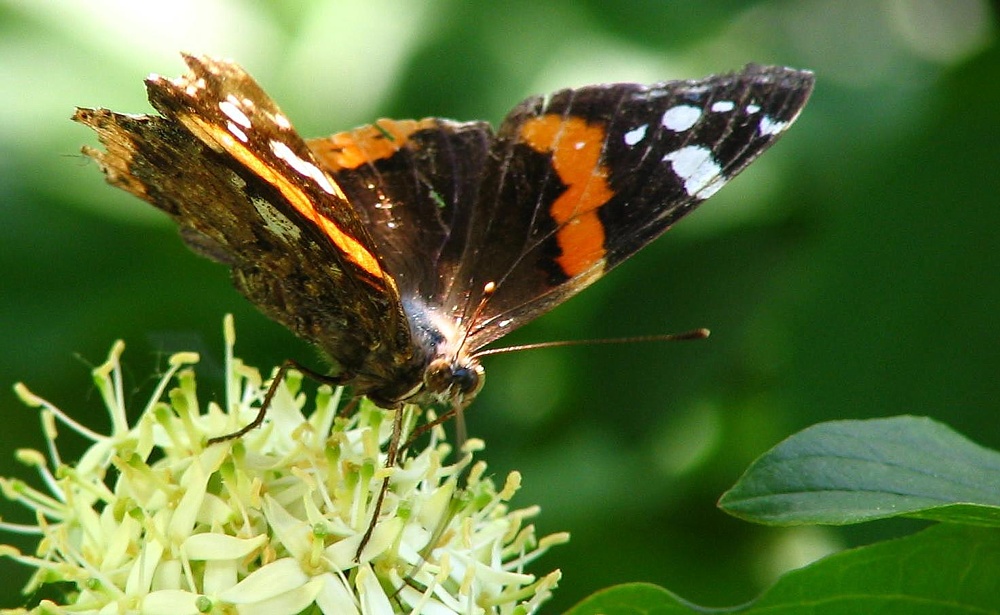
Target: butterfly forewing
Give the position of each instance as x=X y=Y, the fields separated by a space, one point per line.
x=598 y=172
x=244 y=189
x=222 y=106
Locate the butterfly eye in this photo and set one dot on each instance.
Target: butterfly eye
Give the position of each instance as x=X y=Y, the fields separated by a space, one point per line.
x=441 y=376
x=469 y=379
x=438 y=376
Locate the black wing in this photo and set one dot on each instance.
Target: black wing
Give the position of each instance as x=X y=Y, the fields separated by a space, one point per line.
x=414 y=184
x=579 y=181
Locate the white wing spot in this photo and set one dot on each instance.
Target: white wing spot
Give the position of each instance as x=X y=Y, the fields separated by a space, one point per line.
x=680 y=118
x=752 y=108
x=636 y=135
x=769 y=126
x=701 y=174
x=233 y=112
x=723 y=106
x=191 y=88
x=304 y=167
x=239 y=134
x=282 y=121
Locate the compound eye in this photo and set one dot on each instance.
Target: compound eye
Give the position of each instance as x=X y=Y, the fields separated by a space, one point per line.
x=469 y=379
x=438 y=376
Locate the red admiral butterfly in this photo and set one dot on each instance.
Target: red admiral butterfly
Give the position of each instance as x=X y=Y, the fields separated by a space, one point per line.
x=403 y=247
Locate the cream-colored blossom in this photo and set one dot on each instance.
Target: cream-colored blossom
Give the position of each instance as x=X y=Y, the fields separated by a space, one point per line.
x=152 y=520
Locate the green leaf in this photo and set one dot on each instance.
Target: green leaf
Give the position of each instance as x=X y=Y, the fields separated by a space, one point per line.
x=845 y=472
x=944 y=569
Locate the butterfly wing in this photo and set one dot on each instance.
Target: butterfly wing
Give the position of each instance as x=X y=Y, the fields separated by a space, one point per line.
x=414 y=184
x=481 y=232
x=581 y=180
x=245 y=190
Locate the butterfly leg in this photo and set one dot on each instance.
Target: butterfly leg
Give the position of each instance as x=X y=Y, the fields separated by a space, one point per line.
x=457 y=412
x=272 y=390
x=350 y=407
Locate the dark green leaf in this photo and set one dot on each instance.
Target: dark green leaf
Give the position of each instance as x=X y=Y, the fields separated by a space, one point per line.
x=944 y=569
x=852 y=471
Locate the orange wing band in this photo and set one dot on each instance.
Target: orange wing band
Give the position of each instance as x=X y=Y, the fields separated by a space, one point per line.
x=350 y=247
x=575 y=147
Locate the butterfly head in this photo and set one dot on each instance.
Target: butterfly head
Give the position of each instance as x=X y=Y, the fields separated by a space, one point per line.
x=442 y=370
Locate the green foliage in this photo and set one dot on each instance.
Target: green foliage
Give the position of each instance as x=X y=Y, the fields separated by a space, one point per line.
x=853 y=471
x=944 y=569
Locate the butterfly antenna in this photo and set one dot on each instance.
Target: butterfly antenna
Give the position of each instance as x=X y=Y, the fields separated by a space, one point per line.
x=488 y=289
x=694 y=334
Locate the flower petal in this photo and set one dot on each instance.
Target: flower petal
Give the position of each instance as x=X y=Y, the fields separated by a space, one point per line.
x=335 y=597
x=374 y=601
x=292 y=601
x=170 y=602
x=269 y=581
x=210 y=546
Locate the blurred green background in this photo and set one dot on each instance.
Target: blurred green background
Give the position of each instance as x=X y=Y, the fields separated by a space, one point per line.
x=852 y=272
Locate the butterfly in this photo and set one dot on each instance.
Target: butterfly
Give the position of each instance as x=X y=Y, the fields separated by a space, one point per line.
x=402 y=248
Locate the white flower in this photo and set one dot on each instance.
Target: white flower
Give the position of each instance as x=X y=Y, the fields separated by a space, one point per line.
x=152 y=520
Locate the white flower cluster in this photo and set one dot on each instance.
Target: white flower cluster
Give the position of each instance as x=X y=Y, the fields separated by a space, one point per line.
x=151 y=520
